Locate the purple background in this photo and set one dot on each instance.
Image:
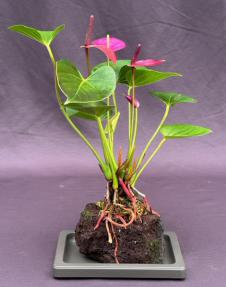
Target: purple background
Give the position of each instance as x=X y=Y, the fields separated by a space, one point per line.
x=47 y=174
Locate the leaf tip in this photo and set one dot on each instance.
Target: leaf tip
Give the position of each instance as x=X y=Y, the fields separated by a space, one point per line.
x=13 y=27
x=60 y=27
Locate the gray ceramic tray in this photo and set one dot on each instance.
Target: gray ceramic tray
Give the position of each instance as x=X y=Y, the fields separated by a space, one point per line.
x=70 y=263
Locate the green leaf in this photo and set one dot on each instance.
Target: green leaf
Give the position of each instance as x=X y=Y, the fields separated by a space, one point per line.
x=183 y=131
x=113 y=123
x=116 y=67
x=97 y=87
x=172 y=98
x=43 y=37
x=143 y=76
x=90 y=111
x=74 y=113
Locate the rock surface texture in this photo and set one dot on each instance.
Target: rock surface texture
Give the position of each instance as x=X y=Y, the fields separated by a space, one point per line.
x=141 y=242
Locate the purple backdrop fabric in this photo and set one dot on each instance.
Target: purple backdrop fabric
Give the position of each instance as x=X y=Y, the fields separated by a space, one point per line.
x=44 y=167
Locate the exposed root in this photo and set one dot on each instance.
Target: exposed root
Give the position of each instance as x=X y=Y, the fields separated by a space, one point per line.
x=156 y=213
x=147 y=204
x=121 y=219
x=115 y=197
x=109 y=232
x=108 y=218
x=126 y=190
x=108 y=193
x=122 y=210
x=102 y=216
x=116 y=244
x=149 y=208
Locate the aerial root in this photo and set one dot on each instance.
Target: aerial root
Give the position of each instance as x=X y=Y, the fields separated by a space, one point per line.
x=109 y=217
x=118 y=216
x=146 y=203
x=116 y=244
x=102 y=216
x=123 y=225
x=112 y=214
x=109 y=232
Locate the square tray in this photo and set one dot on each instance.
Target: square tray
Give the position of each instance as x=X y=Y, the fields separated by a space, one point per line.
x=70 y=263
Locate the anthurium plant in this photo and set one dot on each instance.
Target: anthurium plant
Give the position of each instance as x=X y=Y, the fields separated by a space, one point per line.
x=94 y=98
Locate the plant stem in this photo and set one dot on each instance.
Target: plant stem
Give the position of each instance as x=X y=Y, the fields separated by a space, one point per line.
x=61 y=105
x=89 y=67
x=141 y=158
x=115 y=102
x=129 y=125
x=135 y=129
x=104 y=141
x=148 y=161
x=133 y=97
x=108 y=125
x=110 y=135
x=108 y=154
x=129 y=121
x=132 y=124
x=107 y=151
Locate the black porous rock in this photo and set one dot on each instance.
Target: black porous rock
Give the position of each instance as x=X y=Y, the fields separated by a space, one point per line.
x=138 y=243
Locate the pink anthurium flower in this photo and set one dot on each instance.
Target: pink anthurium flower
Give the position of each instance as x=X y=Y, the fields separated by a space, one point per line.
x=108 y=45
x=143 y=63
x=114 y=43
x=110 y=54
x=130 y=100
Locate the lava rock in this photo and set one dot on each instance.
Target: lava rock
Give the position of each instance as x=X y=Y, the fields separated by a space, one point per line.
x=141 y=242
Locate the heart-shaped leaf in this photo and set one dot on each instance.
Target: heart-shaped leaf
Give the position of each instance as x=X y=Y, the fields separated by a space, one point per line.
x=183 y=131
x=43 y=37
x=97 y=87
x=143 y=76
x=172 y=98
x=90 y=111
x=117 y=67
x=113 y=123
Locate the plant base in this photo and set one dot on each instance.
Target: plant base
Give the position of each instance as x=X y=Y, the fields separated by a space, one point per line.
x=141 y=242
x=70 y=263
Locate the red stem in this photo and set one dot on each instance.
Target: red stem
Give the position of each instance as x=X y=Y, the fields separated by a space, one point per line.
x=149 y=208
x=103 y=214
x=156 y=213
x=122 y=225
x=116 y=244
x=127 y=191
x=121 y=219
